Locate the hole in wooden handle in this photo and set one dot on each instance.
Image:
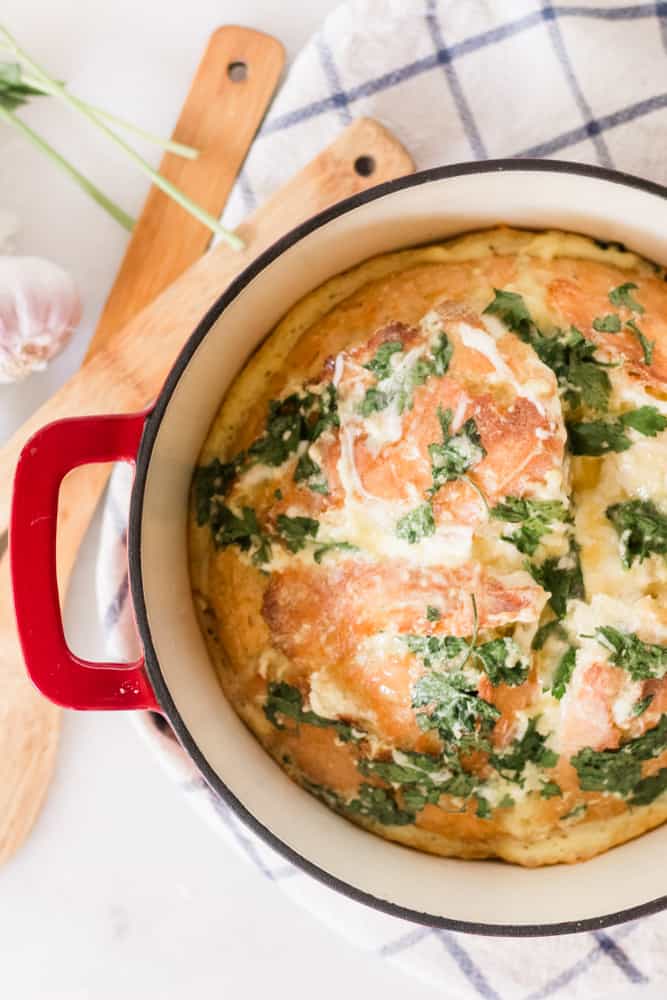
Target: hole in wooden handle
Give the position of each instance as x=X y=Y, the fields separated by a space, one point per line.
x=364 y=166
x=237 y=71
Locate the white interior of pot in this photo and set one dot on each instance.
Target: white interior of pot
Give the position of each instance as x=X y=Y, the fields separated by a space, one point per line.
x=470 y=891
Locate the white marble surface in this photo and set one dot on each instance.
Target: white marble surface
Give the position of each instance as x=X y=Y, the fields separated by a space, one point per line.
x=121 y=890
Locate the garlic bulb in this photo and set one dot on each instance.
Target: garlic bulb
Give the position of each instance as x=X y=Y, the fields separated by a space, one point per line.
x=39 y=309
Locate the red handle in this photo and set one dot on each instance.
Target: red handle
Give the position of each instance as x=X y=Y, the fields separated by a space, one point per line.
x=45 y=461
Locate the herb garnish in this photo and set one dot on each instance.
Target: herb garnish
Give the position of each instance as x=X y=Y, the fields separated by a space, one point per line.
x=622 y=296
x=641 y=527
x=642 y=660
x=619 y=771
x=648 y=789
x=434 y=649
x=211 y=482
x=228 y=528
x=549 y=628
x=502 y=662
x=380 y=805
x=607 y=324
x=380 y=365
x=561 y=577
x=433 y=614
x=535 y=517
x=457 y=453
x=576 y=812
x=296 y=530
x=450 y=704
x=531 y=748
x=550 y=789
x=298 y=417
x=319 y=554
x=423 y=778
x=647 y=345
x=640 y=706
x=401 y=390
x=306 y=471
x=416 y=525
x=581 y=378
x=501 y=659
x=287 y=701
x=563 y=673
x=598 y=437
x=483 y=810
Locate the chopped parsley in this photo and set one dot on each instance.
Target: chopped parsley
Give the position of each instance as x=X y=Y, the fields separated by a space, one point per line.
x=642 y=660
x=531 y=748
x=434 y=649
x=319 y=554
x=296 y=530
x=640 y=706
x=284 y=430
x=380 y=365
x=561 y=577
x=598 y=437
x=433 y=614
x=606 y=771
x=622 y=296
x=576 y=812
x=374 y=400
x=457 y=453
x=502 y=662
x=324 y=413
x=647 y=346
x=422 y=778
x=286 y=701
x=607 y=324
x=581 y=378
x=619 y=771
x=563 y=673
x=450 y=704
x=416 y=525
x=400 y=389
x=483 y=810
x=307 y=470
x=534 y=516
x=299 y=417
x=381 y=805
x=544 y=632
x=648 y=789
x=550 y=789
x=441 y=355
x=500 y=659
x=211 y=482
x=228 y=528
x=641 y=528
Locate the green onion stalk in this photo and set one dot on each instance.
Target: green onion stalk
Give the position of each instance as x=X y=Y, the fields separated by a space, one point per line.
x=18 y=85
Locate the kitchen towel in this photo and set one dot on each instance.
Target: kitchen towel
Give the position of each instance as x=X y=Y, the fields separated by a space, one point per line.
x=456 y=80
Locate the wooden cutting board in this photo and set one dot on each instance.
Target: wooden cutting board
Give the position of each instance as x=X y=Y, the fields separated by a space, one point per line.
x=128 y=372
x=219 y=118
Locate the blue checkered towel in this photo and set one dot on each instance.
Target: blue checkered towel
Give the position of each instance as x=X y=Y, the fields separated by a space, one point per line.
x=454 y=81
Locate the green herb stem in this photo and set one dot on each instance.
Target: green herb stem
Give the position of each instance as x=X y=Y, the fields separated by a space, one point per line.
x=170 y=145
x=57 y=90
x=106 y=203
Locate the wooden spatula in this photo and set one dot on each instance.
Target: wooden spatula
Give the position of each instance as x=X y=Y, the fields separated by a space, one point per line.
x=220 y=117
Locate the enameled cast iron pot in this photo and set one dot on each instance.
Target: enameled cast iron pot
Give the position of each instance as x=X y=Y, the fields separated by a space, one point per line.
x=175 y=676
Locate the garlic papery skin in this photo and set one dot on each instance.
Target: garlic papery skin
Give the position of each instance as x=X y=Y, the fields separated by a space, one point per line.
x=39 y=309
